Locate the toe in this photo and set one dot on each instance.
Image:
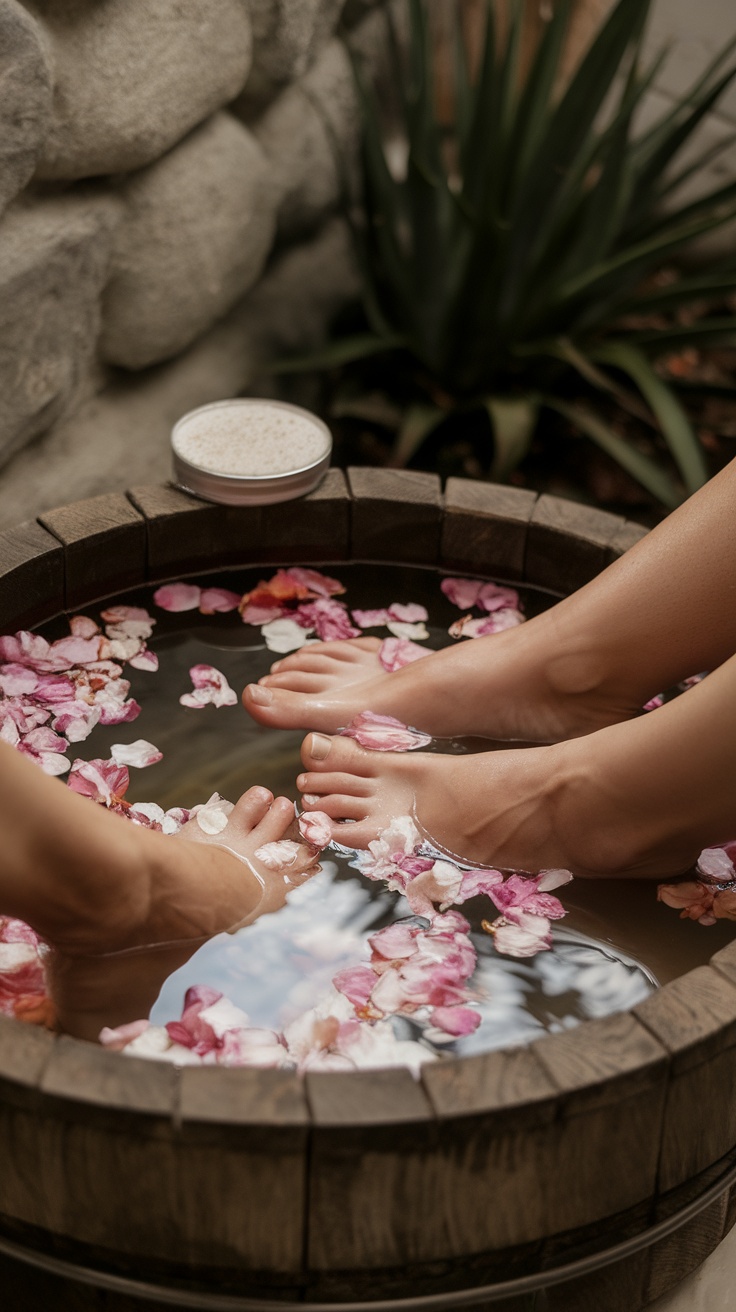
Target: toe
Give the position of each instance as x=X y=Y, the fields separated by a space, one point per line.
x=341 y=806
x=297 y=681
x=276 y=822
x=277 y=707
x=321 y=754
x=319 y=785
x=357 y=835
x=250 y=809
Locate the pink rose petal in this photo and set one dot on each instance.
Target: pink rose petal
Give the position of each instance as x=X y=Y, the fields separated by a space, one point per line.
x=145 y=660
x=329 y=618
x=316 y=829
x=210 y=687
x=383 y=733
x=357 y=983
x=370 y=619
x=17 y=680
x=177 y=597
x=456 y=1020
x=218 y=601
x=321 y=584
x=411 y=613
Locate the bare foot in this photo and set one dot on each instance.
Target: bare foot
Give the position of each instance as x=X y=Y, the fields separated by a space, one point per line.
x=110 y=970
x=516 y=685
x=524 y=809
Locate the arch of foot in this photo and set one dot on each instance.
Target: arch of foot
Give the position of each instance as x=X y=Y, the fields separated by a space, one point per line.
x=149 y=156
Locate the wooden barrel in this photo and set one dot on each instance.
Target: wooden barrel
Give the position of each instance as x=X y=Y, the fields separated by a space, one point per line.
x=372 y=1185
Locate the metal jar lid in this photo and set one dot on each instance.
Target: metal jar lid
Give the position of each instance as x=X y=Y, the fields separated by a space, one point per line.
x=263 y=489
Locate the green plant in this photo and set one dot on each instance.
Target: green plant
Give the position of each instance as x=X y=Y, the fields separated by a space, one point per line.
x=510 y=265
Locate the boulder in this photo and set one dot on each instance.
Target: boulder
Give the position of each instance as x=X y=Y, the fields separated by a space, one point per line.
x=25 y=98
x=132 y=78
x=287 y=36
x=310 y=134
x=54 y=262
x=122 y=436
x=198 y=228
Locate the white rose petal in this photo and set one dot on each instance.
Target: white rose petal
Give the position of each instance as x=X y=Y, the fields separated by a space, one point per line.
x=414 y=632
x=284 y=635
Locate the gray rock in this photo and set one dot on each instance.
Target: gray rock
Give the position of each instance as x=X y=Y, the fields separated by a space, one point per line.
x=54 y=262
x=198 y=228
x=25 y=98
x=132 y=78
x=122 y=436
x=287 y=36
x=310 y=134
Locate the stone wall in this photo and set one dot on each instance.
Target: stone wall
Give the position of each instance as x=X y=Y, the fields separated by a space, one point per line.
x=164 y=169
x=168 y=192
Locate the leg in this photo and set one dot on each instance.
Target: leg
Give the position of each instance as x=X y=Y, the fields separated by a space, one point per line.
x=660 y=613
x=638 y=799
x=95 y=886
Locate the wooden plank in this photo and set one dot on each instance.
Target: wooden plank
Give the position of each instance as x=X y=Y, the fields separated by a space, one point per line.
x=105 y=1151
x=187 y=535
x=241 y=1163
x=616 y=1288
x=672 y=1259
x=611 y=1076
x=496 y=1116
x=374 y=1162
x=104 y=540
x=396 y=515
x=31 y=576
x=567 y=543
x=484 y=528
x=627 y=536
x=24 y=1054
x=694 y=1018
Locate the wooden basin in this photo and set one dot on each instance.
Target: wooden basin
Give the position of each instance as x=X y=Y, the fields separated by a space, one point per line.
x=371 y=1185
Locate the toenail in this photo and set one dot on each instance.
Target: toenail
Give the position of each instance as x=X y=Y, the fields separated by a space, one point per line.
x=320 y=746
x=276 y=666
x=261 y=696
x=301 y=781
x=311 y=799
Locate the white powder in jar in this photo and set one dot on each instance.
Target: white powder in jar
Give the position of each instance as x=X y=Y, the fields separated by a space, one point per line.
x=250 y=438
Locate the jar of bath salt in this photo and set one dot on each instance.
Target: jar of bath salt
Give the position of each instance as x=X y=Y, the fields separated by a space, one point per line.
x=250 y=452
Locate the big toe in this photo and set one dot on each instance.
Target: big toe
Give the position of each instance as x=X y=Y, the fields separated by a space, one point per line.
x=280 y=708
x=322 y=753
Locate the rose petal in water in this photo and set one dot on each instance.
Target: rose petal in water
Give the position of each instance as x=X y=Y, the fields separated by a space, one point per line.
x=715 y=863
x=278 y=855
x=119 y=1038
x=692 y=899
x=218 y=601
x=103 y=781
x=210 y=687
x=527 y=936
x=370 y=619
x=329 y=618
x=316 y=829
x=457 y=1021
x=213 y=816
x=320 y=584
x=437 y=886
x=145 y=660
x=284 y=635
x=383 y=733
x=395 y=653
x=139 y=754
x=177 y=597
x=411 y=632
